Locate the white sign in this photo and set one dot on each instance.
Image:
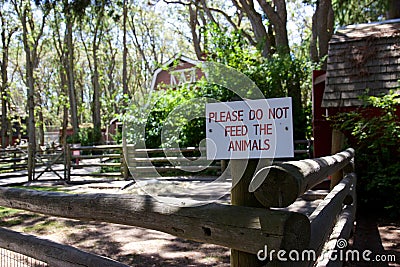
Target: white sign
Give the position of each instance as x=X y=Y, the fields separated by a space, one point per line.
x=260 y=128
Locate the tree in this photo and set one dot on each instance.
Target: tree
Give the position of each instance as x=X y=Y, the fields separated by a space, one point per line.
x=32 y=33
x=61 y=64
x=125 y=89
x=269 y=29
x=322 y=30
x=97 y=19
x=7 y=31
x=393 y=10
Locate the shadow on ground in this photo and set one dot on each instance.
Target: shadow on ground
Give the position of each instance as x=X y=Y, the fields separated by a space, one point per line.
x=381 y=237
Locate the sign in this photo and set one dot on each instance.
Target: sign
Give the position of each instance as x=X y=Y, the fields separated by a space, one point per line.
x=260 y=128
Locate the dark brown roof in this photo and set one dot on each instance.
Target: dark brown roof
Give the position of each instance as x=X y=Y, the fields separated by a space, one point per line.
x=361 y=57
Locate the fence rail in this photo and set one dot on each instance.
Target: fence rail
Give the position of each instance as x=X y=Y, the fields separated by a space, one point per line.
x=241 y=228
x=111 y=160
x=42 y=252
x=16 y=159
x=9 y=258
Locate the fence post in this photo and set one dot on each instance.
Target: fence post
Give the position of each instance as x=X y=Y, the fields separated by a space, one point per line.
x=31 y=161
x=67 y=165
x=15 y=162
x=124 y=167
x=240 y=196
x=337 y=146
x=224 y=162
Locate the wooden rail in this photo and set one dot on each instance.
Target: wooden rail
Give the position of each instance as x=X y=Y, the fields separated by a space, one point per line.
x=324 y=217
x=52 y=253
x=281 y=184
x=144 y=160
x=243 y=228
x=15 y=159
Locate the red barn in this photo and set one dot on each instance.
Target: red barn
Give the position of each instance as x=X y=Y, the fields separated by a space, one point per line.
x=362 y=59
x=176 y=71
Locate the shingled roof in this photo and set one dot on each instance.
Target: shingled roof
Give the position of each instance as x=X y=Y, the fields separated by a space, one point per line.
x=360 y=57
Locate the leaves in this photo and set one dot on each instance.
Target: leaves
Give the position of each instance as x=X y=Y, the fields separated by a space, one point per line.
x=375 y=133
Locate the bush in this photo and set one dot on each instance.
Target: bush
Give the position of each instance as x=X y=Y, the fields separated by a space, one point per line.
x=176 y=100
x=374 y=131
x=277 y=76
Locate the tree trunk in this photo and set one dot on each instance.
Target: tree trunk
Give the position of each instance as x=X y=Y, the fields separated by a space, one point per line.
x=260 y=33
x=322 y=30
x=96 y=98
x=3 y=93
x=30 y=82
x=64 y=85
x=4 y=120
x=71 y=78
x=277 y=15
x=5 y=40
x=314 y=55
x=393 y=9
x=193 y=28
x=41 y=127
x=125 y=55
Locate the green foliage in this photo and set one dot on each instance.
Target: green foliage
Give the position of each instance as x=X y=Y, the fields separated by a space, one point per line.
x=230 y=48
x=354 y=12
x=277 y=76
x=87 y=136
x=376 y=133
x=280 y=75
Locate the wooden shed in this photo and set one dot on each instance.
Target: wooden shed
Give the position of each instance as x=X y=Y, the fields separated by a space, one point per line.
x=362 y=59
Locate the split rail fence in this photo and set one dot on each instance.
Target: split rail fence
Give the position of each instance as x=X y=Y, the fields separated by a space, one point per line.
x=108 y=158
x=277 y=222
x=15 y=159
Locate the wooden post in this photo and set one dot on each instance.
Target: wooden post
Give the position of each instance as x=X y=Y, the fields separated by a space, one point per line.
x=31 y=161
x=124 y=167
x=337 y=146
x=242 y=173
x=223 y=165
x=67 y=167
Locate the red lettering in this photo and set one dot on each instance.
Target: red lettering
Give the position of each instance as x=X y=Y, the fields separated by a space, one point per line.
x=236 y=130
x=226 y=116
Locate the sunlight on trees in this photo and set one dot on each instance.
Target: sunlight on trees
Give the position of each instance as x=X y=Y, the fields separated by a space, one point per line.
x=68 y=63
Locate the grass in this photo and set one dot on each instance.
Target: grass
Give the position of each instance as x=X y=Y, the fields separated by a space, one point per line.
x=11 y=217
x=43 y=227
x=43 y=188
x=7 y=212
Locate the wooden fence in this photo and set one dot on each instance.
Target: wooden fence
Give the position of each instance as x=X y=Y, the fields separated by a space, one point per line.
x=50 y=253
x=110 y=160
x=16 y=159
x=277 y=222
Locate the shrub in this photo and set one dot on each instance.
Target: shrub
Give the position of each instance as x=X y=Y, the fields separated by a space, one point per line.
x=374 y=131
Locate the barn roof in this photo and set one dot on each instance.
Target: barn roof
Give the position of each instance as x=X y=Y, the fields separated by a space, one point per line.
x=360 y=57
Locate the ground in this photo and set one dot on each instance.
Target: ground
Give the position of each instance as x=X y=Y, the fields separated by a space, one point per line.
x=133 y=246
x=130 y=245
x=142 y=247
x=379 y=235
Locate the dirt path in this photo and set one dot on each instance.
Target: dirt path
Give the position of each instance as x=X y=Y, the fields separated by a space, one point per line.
x=131 y=245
